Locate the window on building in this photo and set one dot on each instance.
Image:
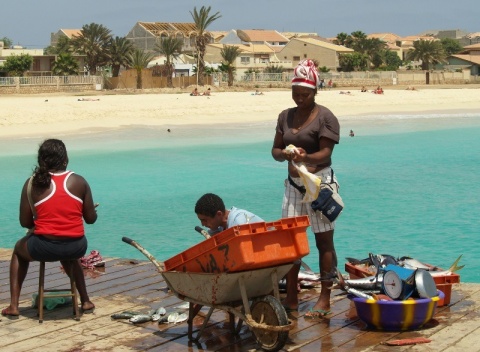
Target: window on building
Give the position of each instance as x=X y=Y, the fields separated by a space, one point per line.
x=244 y=59
x=296 y=58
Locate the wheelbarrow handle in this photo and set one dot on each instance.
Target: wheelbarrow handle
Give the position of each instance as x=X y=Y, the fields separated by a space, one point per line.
x=203 y=232
x=160 y=266
x=127 y=240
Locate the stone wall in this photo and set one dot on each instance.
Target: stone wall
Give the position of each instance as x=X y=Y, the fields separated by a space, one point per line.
x=38 y=85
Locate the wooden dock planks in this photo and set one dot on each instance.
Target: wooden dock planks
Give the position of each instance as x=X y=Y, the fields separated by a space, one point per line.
x=136 y=285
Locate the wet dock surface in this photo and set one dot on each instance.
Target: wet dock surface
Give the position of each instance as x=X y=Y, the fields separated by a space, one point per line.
x=132 y=285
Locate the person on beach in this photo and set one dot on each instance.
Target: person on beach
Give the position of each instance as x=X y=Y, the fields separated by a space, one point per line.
x=313 y=130
x=60 y=202
x=212 y=213
x=363 y=90
x=207 y=92
x=195 y=92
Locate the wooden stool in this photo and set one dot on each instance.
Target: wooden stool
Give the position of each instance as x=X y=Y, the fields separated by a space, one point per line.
x=41 y=293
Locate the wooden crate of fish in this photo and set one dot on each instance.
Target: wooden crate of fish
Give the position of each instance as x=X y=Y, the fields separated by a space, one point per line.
x=443 y=278
x=246 y=247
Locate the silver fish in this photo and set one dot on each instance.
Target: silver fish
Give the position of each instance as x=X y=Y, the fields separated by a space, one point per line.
x=161 y=311
x=175 y=318
x=124 y=315
x=185 y=305
x=411 y=263
x=308 y=276
x=140 y=318
x=359 y=293
x=156 y=317
x=453 y=268
x=382 y=260
x=366 y=283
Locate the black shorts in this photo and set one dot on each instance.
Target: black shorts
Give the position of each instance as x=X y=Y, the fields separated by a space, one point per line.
x=46 y=250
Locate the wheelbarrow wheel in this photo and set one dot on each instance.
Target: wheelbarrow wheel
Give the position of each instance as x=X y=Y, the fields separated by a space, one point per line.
x=268 y=310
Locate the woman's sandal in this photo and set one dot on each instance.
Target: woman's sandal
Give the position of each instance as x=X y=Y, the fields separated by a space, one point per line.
x=87 y=311
x=5 y=313
x=317 y=313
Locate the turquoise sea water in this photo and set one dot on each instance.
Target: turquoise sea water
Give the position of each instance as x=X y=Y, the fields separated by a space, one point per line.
x=410 y=185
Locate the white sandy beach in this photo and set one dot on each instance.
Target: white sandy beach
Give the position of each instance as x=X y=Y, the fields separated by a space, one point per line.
x=55 y=114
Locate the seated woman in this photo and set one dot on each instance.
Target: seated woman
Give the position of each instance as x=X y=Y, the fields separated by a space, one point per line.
x=60 y=201
x=363 y=90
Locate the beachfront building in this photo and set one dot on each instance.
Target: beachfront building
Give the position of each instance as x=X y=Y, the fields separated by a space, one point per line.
x=41 y=63
x=391 y=40
x=327 y=54
x=262 y=36
x=254 y=36
x=406 y=43
x=290 y=35
x=259 y=47
x=467 y=59
x=253 y=57
x=69 y=33
x=145 y=35
x=471 y=38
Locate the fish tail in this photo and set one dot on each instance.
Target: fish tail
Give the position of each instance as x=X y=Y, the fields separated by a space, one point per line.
x=455 y=266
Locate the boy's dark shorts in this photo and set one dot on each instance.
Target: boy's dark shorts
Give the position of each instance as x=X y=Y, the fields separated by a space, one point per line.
x=46 y=250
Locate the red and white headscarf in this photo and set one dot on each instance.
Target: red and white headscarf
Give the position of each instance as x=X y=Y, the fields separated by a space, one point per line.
x=305 y=74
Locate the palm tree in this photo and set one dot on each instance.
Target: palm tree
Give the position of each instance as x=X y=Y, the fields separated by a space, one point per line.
x=93 y=42
x=171 y=47
x=428 y=51
x=63 y=46
x=202 y=20
x=343 y=39
x=229 y=54
x=138 y=60
x=65 y=65
x=372 y=47
x=7 y=42
x=119 y=50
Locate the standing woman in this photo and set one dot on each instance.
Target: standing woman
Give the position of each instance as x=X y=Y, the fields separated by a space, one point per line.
x=62 y=201
x=314 y=130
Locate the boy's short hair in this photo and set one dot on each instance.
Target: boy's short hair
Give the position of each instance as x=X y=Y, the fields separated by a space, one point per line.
x=209 y=204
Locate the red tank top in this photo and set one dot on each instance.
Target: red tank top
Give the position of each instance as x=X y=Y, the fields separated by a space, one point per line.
x=60 y=213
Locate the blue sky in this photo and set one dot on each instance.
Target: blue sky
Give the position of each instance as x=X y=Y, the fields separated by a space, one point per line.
x=30 y=22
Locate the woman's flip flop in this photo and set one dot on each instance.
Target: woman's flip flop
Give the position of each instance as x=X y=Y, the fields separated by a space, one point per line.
x=317 y=313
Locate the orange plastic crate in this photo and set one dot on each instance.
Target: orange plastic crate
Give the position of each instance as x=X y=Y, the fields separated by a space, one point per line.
x=443 y=283
x=246 y=247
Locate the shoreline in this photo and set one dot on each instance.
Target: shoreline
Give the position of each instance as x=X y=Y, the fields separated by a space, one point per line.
x=63 y=114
